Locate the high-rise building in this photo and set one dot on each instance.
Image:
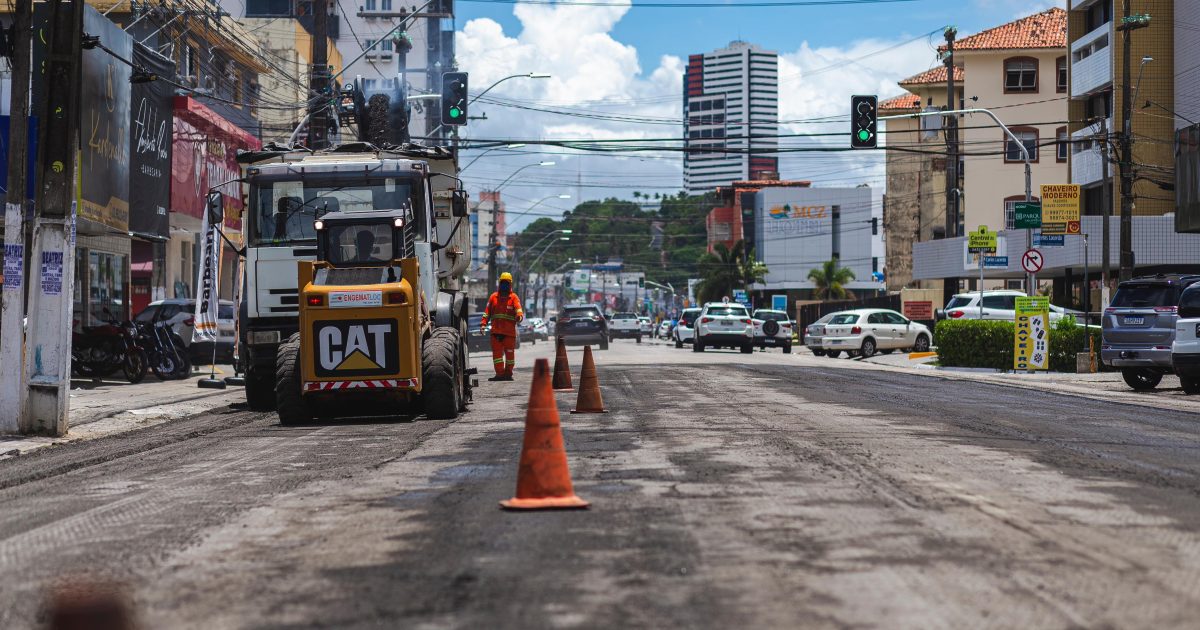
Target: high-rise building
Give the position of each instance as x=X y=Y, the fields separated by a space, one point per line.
x=731 y=117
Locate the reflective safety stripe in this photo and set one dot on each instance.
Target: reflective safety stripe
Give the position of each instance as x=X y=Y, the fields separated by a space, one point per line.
x=500 y=360
x=503 y=316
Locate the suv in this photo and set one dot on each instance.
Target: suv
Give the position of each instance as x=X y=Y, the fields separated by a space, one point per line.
x=724 y=324
x=1185 y=351
x=583 y=324
x=684 y=328
x=1000 y=305
x=1139 y=327
x=625 y=326
x=772 y=328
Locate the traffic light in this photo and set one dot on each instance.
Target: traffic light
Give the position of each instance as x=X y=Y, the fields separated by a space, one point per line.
x=454 y=98
x=863 y=123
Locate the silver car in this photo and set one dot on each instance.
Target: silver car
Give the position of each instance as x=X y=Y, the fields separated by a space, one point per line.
x=814 y=333
x=1139 y=327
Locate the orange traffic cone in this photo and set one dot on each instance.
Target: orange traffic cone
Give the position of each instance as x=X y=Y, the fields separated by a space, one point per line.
x=562 y=371
x=543 y=480
x=589 y=400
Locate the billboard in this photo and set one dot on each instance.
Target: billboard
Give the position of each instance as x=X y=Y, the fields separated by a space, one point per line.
x=104 y=120
x=798 y=229
x=150 y=146
x=204 y=155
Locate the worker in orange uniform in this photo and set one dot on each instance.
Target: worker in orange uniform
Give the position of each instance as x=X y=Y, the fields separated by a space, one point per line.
x=504 y=312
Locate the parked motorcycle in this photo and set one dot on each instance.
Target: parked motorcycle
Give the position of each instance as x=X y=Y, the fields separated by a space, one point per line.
x=164 y=350
x=101 y=351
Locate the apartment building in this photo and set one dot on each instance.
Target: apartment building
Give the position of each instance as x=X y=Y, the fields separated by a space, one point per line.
x=731 y=117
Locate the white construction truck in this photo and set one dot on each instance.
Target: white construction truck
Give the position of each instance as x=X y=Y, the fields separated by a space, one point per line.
x=288 y=190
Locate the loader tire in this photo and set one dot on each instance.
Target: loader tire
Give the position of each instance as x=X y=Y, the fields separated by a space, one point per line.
x=441 y=367
x=289 y=402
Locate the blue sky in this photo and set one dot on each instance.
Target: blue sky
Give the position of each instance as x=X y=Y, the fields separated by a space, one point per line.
x=629 y=61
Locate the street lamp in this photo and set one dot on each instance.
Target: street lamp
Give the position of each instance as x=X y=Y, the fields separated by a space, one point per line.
x=531 y=75
x=495 y=223
x=486 y=151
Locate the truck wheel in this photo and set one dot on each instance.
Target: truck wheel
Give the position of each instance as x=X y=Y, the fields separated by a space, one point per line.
x=260 y=391
x=289 y=401
x=443 y=373
x=1141 y=379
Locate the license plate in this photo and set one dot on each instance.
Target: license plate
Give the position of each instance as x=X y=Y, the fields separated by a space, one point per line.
x=579 y=324
x=1133 y=321
x=835 y=342
x=769 y=340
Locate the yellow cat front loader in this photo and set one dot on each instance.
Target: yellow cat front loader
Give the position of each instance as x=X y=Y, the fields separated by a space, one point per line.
x=369 y=340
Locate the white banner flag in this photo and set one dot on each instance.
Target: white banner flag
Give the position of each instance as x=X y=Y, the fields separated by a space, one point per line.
x=208 y=283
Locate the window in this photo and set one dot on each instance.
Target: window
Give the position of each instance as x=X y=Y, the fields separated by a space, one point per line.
x=385 y=46
x=1064 y=142
x=386 y=5
x=1098 y=106
x=1061 y=65
x=876 y=318
x=895 y=318
x=368 y=44
x=1000 y=302
x=1020 y=75
x=369 y=5
x=1028 y=137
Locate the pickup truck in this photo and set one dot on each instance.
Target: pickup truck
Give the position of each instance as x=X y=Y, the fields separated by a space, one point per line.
x=625 y=326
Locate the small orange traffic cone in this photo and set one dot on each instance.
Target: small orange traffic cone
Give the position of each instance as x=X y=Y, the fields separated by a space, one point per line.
x=543 y=480
x=562 y=371
x=589 y=400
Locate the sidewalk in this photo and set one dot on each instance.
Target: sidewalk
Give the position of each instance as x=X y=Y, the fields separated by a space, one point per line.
x=1101 y=385
x=114 y=406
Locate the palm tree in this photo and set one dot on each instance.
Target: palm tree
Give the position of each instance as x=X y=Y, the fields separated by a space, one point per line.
x=830 y=281
x=726 y=269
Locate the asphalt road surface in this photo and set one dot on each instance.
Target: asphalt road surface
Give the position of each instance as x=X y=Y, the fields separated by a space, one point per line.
x=728 y=490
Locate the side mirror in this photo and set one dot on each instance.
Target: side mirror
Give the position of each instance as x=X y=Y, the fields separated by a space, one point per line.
x=216 y=208
x=458 y=203
x=554 y=318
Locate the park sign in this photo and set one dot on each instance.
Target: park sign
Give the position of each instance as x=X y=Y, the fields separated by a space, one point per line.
x=1060 y=208
x=1027 y=215
x=981 y=241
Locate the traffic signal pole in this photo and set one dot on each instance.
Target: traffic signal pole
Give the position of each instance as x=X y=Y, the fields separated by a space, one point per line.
x=12 y=298
x=48 y=339
x=321 y=99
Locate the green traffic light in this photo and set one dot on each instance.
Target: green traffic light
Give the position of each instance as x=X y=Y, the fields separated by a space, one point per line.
x=455 y=112
x=864 y=135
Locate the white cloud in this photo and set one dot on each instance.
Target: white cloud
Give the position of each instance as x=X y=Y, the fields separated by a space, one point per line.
x=595 y=73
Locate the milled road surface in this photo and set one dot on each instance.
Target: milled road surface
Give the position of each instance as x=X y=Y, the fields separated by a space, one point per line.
x=728 y=490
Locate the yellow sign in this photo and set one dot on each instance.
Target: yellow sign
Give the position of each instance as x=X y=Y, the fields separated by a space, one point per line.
x=1031 y=343
x=1060 y=208
x=981 y=241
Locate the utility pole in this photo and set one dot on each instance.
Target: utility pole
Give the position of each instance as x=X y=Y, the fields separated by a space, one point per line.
x=1106 y=213
x=493 y=245
x=12 y=298
x=318 y=109
x=950 y=285
x=1128 y=24
x=48 y=341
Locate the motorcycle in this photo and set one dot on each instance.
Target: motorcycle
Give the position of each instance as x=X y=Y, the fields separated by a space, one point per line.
x=100 y=351
x=164 y=350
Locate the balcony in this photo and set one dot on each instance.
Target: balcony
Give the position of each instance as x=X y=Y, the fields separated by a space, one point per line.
x=1086 y=163
x=1091 y=62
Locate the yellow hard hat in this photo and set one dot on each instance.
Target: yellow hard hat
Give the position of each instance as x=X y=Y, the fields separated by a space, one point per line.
x=506 y=276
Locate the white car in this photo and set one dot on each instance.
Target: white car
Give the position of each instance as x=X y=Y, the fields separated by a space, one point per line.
x=684 y=330
x=1185 y=350
x=646 y=325
x=814 y=333
x=664 y=329
x=724 y=324
x=772 y=329
x=625 y=326
x=1001 y=305
x=863 y=332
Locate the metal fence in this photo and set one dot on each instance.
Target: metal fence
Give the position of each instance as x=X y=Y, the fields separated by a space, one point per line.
x=809 y=313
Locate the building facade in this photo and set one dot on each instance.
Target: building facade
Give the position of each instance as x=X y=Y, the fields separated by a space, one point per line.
x=734 y=220
x=731 y=117
x=1187 y=113
x=914 y=208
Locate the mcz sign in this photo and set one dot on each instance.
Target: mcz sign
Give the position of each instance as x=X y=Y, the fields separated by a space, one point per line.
x=363 y=347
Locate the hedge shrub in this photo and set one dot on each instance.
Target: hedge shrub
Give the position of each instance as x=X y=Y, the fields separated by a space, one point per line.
x=989 y=343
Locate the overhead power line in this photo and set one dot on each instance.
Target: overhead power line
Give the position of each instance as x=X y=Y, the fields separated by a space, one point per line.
x=693 y=5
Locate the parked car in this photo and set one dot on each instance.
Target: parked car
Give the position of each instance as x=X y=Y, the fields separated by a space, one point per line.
x=625 y=326
x=1185 y=350
x=664 y=329
x=539 y=328
x=724 y=324
x=863 y=332
x=647 y=326
x=1139 y=327
x=684 y=330
x=814 y=333
x=526 y=332
x=179 y=315
x=583 y=325
x=772 y=328
x=1000 y=304
x=477 y=339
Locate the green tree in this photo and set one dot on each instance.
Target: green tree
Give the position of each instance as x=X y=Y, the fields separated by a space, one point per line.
x=830 y=281
x=727 y=269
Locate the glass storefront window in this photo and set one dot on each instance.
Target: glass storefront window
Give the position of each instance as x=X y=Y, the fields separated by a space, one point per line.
x=107 y=301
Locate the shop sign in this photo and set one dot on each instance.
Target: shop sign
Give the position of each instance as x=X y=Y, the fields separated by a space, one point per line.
x=1031 y=341
x=1060 y=208
x=105 y=117
x=204 y=156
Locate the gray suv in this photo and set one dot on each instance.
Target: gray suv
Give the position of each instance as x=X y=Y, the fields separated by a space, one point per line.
x=1139 y=327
